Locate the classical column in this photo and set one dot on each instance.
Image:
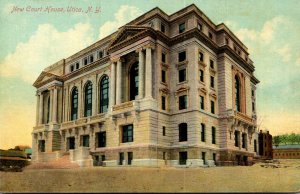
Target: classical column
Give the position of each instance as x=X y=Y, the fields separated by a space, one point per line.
x=37 y=109
x=94 y=96
x=80 y=98
x=41 y=109
x=112 y=99
x=54 y=115
x=119 y=82
x=141 y=73
x=149 y=71
x=51 y=105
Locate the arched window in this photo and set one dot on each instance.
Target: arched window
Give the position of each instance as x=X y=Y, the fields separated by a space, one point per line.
x=104 y=94
x=48 y=110
x=74 y=104
x=88 y=99
x=237 y=94
x=134 y=81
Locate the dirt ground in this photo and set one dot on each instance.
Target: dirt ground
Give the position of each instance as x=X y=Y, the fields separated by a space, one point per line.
x=261 y=177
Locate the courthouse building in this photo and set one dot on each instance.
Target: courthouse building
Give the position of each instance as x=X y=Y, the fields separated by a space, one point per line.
x=162 y=90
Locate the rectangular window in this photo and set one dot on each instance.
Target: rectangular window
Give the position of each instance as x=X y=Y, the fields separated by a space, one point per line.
x=182 y=102
x=164 y=131
x=236 y=138
x=102 y=158
x=102 y=139
x=163 y=76
x=201 y=57
x=163 y=57
x=214 y=157
x=213 y=135
x=201 y=75
x=91 y=58
x=163 y=102
x=202 y=102
x=77 y=65
x=121 y=158
x=199 y=26
x=130 y=157
x=72 y=68
x=210 y=35
x=212 y=107
x=252 y=92
x=100 y=54
x=182 y=75
x=181 y=56
x=127 y=133
x=244 y=140
x=255 y=146
x=183 y=134
x=164 y=155
x=211 y=64
x=202 y=132
x=85 y=61
x=162 y=28
x=203 y=157
x=85 y=140
x=253 y=106
x=212 y=81
x=182 y=158
x=181 y=27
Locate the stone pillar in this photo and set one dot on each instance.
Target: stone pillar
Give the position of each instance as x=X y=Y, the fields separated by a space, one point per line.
x=141 y=73
x=119 y=82
x=112 y=89
x=37 y=109
x=149 y=72
x=54 y=115
x=51 y=105
x=41 y=109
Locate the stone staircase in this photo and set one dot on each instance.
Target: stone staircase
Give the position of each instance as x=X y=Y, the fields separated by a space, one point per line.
x=60 y=163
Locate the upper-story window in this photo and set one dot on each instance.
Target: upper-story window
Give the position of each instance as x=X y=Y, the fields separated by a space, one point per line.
x=181 y=56
x=213 y=135
x=163 y=57
x=134 y=81
x=182 y=75
x=181 y=27
x=210 y=35
x=202 y=132
x=201 y=57
x=212 y=81
x=201 y=75
x=211 y=64
x=72 y=68
x=162 y=28
x=202 y=102
x=91 y=57
x=85 y=61
x=163 y=76
x=104 y=94
x=199 y=26
x=74 y=104
x=182 y=102
x=77 y=65
x=100 y=54
x=252 y=93
x=237 y=93
x=88 y=99
x=127 y=133
x=212 y=107
x=163 y=102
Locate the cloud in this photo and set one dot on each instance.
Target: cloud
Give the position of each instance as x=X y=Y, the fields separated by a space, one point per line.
x=46 y=46
x=284 y=52
x=122 y=16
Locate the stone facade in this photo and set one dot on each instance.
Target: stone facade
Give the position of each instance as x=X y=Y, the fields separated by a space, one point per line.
x=181 y=93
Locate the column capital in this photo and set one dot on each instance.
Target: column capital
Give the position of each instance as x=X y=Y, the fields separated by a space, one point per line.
x=117 y=59
x=150 y=45
x=139 y=49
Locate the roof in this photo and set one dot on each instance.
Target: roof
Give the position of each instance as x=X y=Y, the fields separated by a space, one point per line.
x=291 y=146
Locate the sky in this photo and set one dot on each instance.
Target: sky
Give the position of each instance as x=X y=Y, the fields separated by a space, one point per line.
x=31 y=41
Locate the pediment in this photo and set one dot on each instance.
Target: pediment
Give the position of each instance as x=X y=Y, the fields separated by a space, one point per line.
x=43 y=77
x=126 y=33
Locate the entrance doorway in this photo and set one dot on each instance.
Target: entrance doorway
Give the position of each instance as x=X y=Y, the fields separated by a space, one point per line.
x=71 y=143
x=182 y=158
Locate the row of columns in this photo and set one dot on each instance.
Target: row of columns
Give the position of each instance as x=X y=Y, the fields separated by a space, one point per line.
x=117 y=74
x=53 y=106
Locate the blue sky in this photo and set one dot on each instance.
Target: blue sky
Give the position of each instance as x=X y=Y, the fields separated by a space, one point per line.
x=32 y=41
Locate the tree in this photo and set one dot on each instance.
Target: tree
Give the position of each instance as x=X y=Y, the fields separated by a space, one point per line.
x=276 y=141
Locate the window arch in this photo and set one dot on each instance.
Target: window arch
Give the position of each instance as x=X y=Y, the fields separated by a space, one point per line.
x=237 y=93
x=74 y=104
x=134 y=81
x=88 y=99
x=48 y=110
x=104 y=94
